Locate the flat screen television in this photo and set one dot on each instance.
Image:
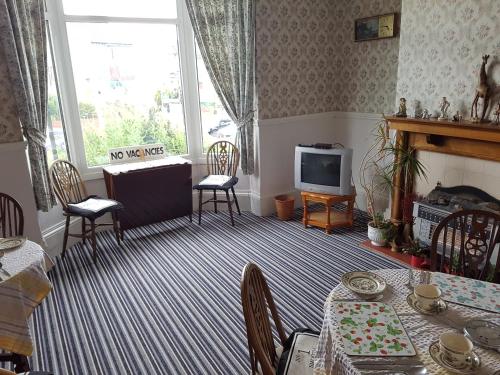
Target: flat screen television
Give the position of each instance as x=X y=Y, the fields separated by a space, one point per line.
x=323 y=171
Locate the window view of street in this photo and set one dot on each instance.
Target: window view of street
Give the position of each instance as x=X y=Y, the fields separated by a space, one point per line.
x=127 y=79
x=56 y=140
x=216 y=123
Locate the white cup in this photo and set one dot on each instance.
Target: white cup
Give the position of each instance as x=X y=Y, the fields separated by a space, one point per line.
x=427 y=296
x=456 y=348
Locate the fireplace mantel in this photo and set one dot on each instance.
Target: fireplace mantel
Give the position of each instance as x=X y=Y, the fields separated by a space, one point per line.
x=464 y=138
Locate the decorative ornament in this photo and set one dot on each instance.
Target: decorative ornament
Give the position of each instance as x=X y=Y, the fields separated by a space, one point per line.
x=402 y=108
x=483 y=91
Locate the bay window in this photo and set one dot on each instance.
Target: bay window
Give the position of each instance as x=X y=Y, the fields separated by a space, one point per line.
x=130 y=74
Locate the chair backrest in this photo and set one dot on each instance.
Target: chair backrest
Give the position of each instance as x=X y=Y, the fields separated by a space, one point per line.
x=67 y=183
x=11 y=217
x=463 y=243
x=223 y=158
x=257 y=300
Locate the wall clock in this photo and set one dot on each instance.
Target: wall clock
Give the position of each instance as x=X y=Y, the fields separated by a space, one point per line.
x=376 y=27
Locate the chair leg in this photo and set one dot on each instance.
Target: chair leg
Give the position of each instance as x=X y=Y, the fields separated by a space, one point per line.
x=215 y=201
x=65 y=239
x=114 y=215
x=236 y=201
x=229 y=206
x=93 y=240
x=200 y=204
x=83 y=230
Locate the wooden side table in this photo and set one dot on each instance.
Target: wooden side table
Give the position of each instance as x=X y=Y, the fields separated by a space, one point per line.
x=329 y=218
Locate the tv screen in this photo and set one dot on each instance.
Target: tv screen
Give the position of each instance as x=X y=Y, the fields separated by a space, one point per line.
x=320 y=169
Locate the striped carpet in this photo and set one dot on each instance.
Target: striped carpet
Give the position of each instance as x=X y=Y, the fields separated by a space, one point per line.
x=168 y=300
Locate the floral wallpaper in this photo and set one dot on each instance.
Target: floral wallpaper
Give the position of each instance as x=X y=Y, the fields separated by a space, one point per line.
x=308 y=62
x=10 y=129
x=441 y=47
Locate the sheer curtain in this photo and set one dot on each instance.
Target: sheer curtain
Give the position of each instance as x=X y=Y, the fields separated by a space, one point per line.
x=23 y=38
x=225 y=32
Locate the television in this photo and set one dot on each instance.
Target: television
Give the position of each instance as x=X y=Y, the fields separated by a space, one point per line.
x=325 y=171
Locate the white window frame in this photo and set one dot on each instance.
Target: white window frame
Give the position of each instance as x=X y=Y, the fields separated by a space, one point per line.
x=68 y=97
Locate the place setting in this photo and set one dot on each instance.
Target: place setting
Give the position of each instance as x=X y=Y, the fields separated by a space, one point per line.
x=371 y=332
x=455 y=351
x=8 y=244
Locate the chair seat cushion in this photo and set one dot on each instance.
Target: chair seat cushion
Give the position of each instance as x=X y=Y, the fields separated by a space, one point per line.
x=93 y=207
x=297 y=356
x=216 y=181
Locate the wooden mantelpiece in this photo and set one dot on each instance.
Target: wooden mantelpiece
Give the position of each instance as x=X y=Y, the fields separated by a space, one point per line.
x=464 y=138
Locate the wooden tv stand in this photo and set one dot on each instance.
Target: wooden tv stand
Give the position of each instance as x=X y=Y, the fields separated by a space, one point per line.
x=329 y=218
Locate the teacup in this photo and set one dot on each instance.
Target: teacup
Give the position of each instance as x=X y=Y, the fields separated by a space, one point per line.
x=427 y=296
x=456 y=349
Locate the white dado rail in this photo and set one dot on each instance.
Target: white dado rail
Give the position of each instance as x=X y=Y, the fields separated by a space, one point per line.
x=279 y=136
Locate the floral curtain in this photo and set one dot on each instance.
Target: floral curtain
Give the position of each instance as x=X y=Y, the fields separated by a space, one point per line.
x=225 y=32
x=23 y=38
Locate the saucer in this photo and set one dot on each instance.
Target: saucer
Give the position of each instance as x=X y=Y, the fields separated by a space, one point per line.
x=11 y=243
x=469 y=368
x=483 y=333
x=415 y=305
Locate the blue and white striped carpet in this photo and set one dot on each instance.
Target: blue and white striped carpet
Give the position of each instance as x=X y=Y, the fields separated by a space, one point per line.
x=168 y=300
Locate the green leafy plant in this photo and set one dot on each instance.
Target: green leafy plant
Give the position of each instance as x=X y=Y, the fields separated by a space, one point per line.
x=414 y=248
x=384 y=160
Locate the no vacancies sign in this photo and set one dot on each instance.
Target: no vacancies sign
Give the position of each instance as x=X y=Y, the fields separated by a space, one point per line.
x=136 y=153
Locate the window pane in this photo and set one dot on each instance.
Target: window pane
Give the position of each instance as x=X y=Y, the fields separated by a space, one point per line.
x=127 y=80
x=122 y=8
x=56 y=138
x=216 y=123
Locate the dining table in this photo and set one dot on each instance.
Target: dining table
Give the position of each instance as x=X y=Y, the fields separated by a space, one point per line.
x=23 y=286
x=423 y=330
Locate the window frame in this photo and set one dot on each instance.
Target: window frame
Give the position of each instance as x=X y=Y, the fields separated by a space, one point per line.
x=69 y=102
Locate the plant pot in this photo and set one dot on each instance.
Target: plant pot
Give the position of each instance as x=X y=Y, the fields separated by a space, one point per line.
x=417 y=262
x=376 y=235
x=285 y=205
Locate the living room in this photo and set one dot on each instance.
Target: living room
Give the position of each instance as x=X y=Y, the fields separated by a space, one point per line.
x=159 y=291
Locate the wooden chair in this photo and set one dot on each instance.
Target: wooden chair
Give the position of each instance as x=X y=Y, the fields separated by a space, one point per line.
x=256 y=299
x=70 y=189
x=222 y=160
x=11 y=217
x=463 y=244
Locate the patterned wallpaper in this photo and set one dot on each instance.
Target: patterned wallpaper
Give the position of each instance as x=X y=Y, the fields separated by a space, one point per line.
x=366 y=75
x=441 y=47
x=10 y=130
x=307 y=61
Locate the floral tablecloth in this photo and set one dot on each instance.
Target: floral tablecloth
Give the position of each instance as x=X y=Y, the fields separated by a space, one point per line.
x=423 y=330
x=21 y=293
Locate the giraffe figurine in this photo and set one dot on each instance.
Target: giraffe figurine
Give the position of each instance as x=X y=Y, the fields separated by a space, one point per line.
x=482 y=91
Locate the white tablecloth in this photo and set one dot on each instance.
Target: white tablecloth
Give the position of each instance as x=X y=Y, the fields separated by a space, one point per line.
x=21 y=293
x=423 y=330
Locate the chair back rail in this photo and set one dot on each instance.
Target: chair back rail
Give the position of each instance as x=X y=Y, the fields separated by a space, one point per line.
x=223 y=158
x=257 y=301
x=67 y=183
x=11 y=217
x=463 y=244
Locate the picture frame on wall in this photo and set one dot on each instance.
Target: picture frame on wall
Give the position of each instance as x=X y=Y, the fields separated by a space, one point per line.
x=375 y=27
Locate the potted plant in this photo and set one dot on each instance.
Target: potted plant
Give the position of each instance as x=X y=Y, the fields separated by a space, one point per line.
x=418 y=253
x=377 y=170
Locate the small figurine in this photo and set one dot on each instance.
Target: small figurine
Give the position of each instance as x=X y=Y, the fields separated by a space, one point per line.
x=482 y=91
x=444 y=106
x=457 y=117
x=418 y=109
x=497 y=114
x=426 y=115
x=402 y=108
